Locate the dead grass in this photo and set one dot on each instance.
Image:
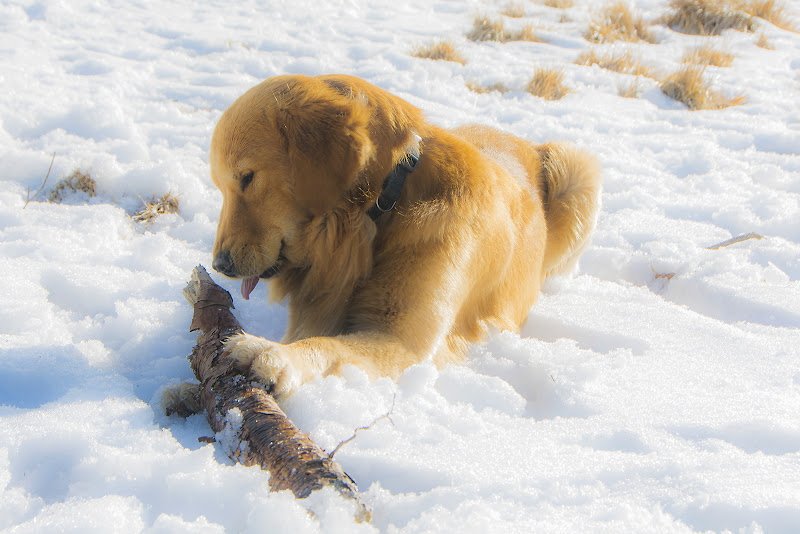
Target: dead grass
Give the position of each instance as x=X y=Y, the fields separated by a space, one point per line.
x=708 y=55
x=483 y=89
x=28 y=197
x=168 y=203
x=763 y=42
x=526 y=33
x=708 y=17
x=616 y=22
x=630 y=90
x=560 y=4
x=712 y=17
x=440 y=50
x=623 y=62
x=486 y=29
x=772 y=11
x=515 y=10
x=548 y=83
x=687 y=85
x=77 y=182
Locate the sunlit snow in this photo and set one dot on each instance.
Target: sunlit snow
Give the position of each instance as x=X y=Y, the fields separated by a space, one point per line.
x=657 y=390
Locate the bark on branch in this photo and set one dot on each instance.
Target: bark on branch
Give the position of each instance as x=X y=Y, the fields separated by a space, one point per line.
x=267 y=437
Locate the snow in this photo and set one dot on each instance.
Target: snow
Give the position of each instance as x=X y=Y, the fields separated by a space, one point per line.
x=631 y=401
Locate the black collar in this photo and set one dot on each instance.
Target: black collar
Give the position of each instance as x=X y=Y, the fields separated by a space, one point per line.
x=393 y=186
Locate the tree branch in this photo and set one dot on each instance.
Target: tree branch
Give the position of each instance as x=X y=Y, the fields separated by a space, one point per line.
x=235 y=406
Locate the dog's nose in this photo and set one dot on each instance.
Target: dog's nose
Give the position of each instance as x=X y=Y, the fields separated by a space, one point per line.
x=223 y=263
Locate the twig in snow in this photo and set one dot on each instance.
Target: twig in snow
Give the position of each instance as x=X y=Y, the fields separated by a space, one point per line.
x=387 y=415
x=733 y=241
x=46 y=176
x=668 y=276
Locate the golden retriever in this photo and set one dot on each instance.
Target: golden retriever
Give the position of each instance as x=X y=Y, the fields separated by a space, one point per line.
x=303 y=164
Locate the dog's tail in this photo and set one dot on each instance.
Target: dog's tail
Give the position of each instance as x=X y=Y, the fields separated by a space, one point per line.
x=571 y=187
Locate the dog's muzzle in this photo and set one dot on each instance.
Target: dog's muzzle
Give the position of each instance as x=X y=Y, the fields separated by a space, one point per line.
x=223 y=263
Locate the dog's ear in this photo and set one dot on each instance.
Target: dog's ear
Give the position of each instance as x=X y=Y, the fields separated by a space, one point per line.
x=326 y=136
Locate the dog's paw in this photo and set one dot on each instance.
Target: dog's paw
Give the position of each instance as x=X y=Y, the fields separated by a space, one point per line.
x=267 y=362
x=182 y=399
x=245 y=348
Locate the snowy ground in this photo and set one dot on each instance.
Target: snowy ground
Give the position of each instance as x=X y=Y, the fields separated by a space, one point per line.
x=631 y=402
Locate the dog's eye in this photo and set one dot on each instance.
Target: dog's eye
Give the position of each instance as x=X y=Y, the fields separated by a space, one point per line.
x=246 y=179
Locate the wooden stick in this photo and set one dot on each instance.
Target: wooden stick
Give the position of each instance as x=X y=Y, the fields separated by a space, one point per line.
x=733 y=241
x=267 y=438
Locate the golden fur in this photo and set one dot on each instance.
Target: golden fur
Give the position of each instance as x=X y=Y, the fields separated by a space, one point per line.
x=483 y=219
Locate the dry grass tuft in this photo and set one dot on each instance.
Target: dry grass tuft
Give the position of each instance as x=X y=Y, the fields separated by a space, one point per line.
x=77 y=182
x=527 y=33
x=623 y=62
x=630 y=90
x=548 y=83
x=616 y=22
x=441 y=50
x=687 y=85
x=485 y=29
x=708 y=55
x=708 y=17
x=772 y=11
x=560 y=4
x=168 y=203
x=763 y=42
x=483 y=89
x=515 y=10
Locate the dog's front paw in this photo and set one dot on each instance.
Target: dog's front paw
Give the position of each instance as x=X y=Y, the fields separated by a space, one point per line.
x=267 y=362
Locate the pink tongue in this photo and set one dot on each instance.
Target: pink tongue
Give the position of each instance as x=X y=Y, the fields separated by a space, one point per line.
x=248 y=285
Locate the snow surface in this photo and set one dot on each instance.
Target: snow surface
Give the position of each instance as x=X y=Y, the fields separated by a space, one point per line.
x=630 y=402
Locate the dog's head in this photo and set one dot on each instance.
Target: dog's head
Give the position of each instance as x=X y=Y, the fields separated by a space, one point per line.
x=287 y=152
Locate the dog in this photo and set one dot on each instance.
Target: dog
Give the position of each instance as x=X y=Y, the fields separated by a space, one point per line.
x=393 y=241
